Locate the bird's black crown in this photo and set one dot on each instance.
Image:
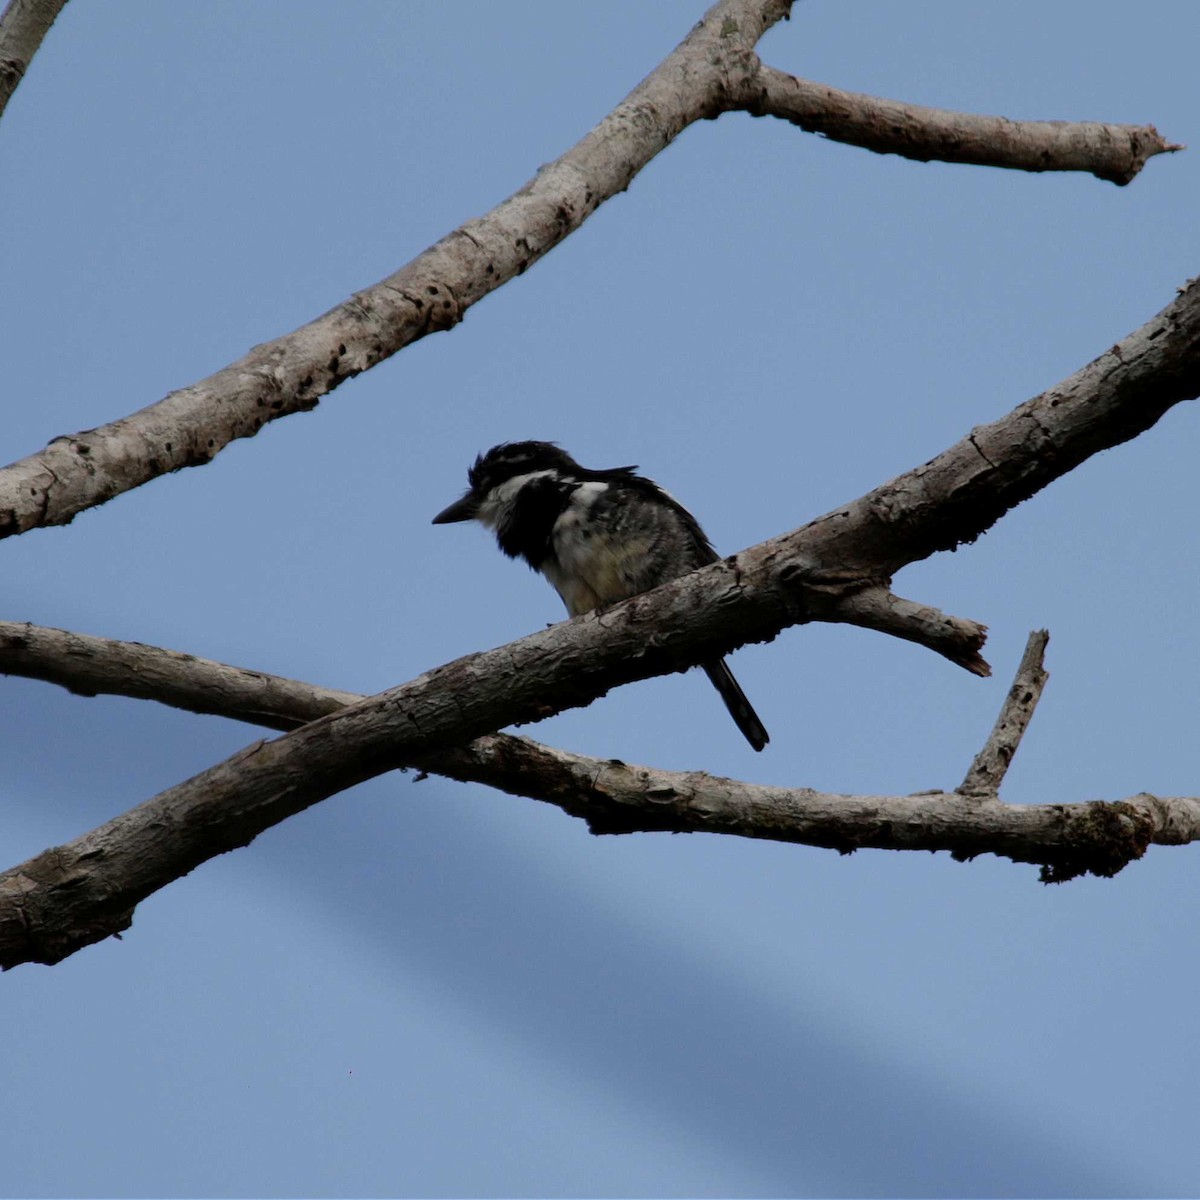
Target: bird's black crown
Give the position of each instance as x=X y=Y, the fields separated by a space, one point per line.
x=510 y=459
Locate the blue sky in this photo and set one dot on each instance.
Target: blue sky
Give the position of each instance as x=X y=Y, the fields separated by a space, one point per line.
x=432 y=989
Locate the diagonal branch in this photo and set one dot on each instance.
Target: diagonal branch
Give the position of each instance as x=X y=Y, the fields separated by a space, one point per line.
x=97 y=666
x=90 y=666
x=956 y=496
x=956 y=638
x=1113 y=152
x=89 y=899
x=23 y=25
x=714 y=70
x=432 y=293
x=77 y=894
x=992 y=762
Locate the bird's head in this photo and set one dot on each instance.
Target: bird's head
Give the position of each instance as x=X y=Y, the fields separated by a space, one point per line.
x=500 y=473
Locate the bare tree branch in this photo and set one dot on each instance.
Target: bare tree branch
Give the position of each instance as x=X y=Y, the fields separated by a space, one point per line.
x=71 y=896
x=714 y=70
x=837 y=568
x=992 y=762
x=94 y=666
x=432 y=293
x=23 y=25
x=1113 y=152
x=956 y=496
x=1065 y=840
x=955 y=638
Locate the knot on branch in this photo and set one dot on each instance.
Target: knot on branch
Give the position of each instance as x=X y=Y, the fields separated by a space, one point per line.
x=12 y=71
x=811 y=591
x=1099 y=840
x=1144 y=143
x=54 y=907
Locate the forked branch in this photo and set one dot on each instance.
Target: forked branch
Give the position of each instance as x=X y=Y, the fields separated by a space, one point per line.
x=73 y=895
x=713 y=71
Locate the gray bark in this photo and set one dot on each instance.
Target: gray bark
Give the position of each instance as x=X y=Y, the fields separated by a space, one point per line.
x=73 y=895
x=835 y=569
x=1065 y=840
x=1112 y=152
x=23 y=25
x=991 y=764
x=713 y=71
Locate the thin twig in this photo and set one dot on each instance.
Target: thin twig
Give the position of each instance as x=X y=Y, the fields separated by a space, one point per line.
x=987 y=772
x=956 y=638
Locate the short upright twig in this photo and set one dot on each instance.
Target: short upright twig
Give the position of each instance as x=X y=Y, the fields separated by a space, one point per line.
x=987 y=772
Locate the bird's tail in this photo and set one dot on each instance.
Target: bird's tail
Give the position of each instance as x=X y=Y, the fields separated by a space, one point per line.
x=744 y=717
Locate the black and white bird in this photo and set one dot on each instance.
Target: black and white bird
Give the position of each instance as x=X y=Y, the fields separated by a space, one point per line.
x=597 y=536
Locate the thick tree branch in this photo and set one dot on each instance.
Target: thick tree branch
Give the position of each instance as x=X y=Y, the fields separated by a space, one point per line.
x=952 y=499
x=96 y=666
x=432 y=293
x=1065 y=840
x=1113 y=152
x=23 y=25
x=74 y=895
x=991 y=764
x=93 y=666
x=714 y=70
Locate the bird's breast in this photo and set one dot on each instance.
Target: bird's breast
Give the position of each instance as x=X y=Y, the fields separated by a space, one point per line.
x=590 y=568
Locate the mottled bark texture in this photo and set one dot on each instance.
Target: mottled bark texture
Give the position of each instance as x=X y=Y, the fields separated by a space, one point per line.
x=23 y=25
x=73 y=895
x=837 y=568
x=713 y=71
x=991 y=764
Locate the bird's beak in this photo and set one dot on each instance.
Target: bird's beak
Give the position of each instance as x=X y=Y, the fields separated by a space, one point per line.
x=461 y=510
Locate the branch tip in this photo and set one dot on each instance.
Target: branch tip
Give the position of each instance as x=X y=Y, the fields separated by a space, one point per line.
x=1112 y=152
x=991 y=764
x=957 y=639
